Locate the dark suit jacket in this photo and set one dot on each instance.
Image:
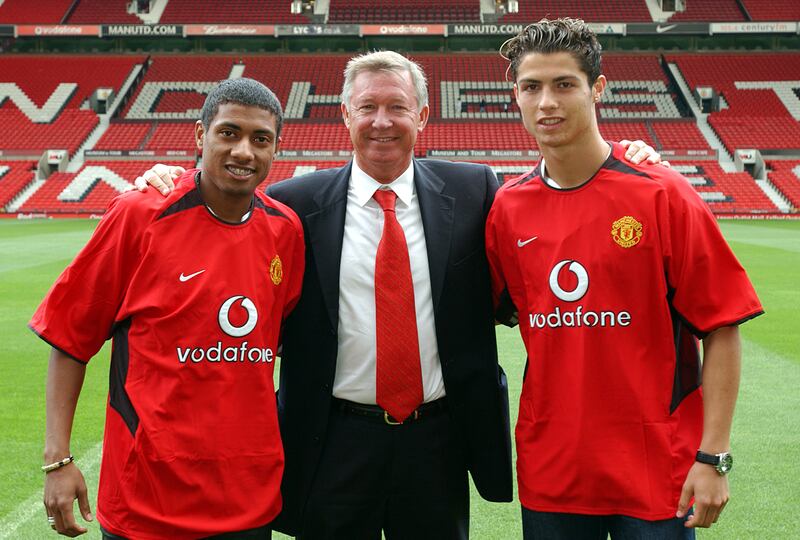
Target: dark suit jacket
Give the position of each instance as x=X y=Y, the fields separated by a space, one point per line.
x=454 y=200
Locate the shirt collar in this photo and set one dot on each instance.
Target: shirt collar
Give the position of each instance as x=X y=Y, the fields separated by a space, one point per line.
x=363 y=186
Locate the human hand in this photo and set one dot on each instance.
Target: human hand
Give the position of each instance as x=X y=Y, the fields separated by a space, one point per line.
x=162 y=177
x=61 y=488
x=710 y=491
x=638 y=151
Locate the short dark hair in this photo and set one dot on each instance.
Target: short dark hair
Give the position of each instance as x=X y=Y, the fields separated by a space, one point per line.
x=560 y=35
x=243 y=91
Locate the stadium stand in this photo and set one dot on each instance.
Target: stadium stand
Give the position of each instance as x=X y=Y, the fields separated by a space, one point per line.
x=679 y=135
x=43 y=99
x=172 y=136
x=168 y=75
x=102 y=12
x=87 y=191
x=588 y=10
x=751 y=86
x=28 y=12
x=92 y=188
x=316 y=80
x=405 y=11
x=123 y=136
x=66 y=132
x=14 y=176
x=773 y=10
x=710 y=10
x=725 y=192
x=231 y=11
x=785 y=175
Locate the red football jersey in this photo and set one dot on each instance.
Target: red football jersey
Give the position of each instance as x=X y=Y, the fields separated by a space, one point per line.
x=194 y=306
x=612 y=281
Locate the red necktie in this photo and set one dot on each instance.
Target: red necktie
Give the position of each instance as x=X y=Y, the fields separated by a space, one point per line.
x=399 y=375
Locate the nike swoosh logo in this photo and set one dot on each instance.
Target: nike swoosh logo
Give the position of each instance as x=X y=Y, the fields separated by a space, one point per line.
x=661 y=29
x=521 y=243
x=190 y=276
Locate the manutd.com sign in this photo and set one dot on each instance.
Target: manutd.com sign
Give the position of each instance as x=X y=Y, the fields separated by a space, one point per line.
x=145 y=30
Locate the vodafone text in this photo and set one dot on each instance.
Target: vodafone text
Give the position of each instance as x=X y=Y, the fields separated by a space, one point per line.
x=218 y=353
x=579 y=318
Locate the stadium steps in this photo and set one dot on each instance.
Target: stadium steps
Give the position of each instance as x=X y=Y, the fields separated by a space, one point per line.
x=148 y=136
x=656 y=13
x=25 y=194
x=725 y=159
x=157 y=8
x=653 y=134
x=777 y=198
x=77 y=160
x=128 y=87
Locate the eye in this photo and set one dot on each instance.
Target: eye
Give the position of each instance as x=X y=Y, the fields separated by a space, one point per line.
x=532 y=87
x=263 y=140
x=565 y=84
x=226 y=133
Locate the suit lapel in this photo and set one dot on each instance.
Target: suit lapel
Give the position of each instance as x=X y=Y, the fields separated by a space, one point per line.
x=326 y=232
x=437 y=222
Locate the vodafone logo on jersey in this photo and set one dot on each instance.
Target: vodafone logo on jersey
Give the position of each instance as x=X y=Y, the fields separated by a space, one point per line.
x=225 y=312
x=580 y=288
x=569 y=282
x=237 y=317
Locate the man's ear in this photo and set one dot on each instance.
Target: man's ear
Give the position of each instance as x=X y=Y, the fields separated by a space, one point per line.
x=199 y=134
x=424 y=114
x=516 y=91
x=345 y=115
x=598 y=88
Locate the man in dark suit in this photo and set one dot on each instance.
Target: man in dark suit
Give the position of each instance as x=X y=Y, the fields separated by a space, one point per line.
x=364 y=456
x=352 y=470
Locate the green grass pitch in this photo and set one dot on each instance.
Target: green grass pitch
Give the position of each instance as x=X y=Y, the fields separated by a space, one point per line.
x=766 y=438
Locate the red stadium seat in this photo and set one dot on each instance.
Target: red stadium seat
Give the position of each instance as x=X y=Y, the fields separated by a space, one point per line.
x=27 y=12
x=756 y=117
x=231 y=12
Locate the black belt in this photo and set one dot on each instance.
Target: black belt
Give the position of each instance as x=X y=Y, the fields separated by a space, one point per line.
x=426 y=410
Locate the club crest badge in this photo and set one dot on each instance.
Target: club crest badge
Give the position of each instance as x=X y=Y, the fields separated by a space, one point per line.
x=626 y=231
x=276 y=270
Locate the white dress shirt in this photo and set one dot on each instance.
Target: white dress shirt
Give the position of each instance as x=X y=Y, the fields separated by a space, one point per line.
x=363 y=227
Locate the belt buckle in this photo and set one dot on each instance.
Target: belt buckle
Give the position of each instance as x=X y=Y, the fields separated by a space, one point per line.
x=390 y=421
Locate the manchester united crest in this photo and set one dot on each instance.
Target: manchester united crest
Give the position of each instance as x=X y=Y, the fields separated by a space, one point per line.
x=276 y=270
x=626 y=231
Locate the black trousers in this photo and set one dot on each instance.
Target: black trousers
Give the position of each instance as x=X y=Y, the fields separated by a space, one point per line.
x=409 y=481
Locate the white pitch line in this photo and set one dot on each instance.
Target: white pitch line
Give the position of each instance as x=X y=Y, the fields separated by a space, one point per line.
x=32 y=506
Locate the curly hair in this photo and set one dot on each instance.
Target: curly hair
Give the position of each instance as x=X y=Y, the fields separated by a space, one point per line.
x=560 y=35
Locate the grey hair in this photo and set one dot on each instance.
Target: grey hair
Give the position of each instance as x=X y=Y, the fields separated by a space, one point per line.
x=385 y=61
x=243 y=91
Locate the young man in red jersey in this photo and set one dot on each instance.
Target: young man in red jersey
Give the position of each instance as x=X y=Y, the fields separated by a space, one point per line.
x=193 y=289
x=613 y=270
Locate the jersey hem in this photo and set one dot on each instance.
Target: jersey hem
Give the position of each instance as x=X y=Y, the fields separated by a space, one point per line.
x=736 y=322
x=67 y=353
x=599 y=512
x=124 y=533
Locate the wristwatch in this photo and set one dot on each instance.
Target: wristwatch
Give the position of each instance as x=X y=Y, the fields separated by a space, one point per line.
x=723 y=461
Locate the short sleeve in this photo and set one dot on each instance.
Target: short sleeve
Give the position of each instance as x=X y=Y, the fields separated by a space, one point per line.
x=298 y=263
x=505 y=310
x=709 y=288
x=79 y=311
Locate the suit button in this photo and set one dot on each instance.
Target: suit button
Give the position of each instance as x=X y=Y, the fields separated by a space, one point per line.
x=316 y=440
x=326 y=387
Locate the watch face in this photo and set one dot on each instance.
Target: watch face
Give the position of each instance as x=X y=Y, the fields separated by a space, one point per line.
x=725 y=463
